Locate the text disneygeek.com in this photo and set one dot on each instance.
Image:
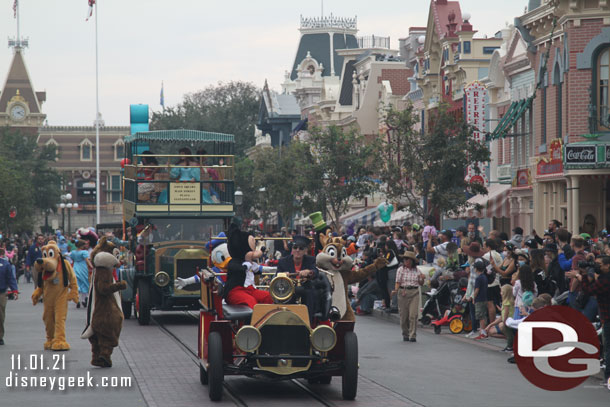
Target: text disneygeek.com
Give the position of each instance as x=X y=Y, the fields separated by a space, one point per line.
x=18 y=377
x=61 y=383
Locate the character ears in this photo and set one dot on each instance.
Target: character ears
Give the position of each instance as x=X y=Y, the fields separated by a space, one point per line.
x=325 y=237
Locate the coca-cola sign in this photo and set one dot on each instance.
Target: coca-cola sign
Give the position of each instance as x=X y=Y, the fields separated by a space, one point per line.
x=581 y=155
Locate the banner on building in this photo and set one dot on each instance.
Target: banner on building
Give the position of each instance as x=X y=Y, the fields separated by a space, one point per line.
x=476 y=108
x=553 y=164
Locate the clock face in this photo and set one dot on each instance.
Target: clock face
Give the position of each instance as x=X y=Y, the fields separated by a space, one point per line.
x=18 y=112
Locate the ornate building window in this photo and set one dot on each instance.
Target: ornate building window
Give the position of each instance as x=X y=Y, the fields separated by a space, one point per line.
x=603 y=78
x=86 y=148
x=54 y=144
x=119 y=150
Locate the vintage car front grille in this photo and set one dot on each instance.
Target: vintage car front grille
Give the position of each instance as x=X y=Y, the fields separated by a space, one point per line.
x=284 y=340
x=187 y=268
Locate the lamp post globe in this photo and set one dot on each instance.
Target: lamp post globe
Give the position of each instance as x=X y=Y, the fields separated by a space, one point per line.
x=239 y=197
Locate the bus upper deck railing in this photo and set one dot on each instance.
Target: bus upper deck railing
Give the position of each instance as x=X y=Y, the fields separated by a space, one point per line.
x=170 y=187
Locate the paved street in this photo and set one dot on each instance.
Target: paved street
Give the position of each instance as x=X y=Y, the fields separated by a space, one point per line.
x=438 y=370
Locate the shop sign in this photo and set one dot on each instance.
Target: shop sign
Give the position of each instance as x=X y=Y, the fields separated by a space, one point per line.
x=581 y=155
x=554 y=163
x=476 y=107
x=522 y=179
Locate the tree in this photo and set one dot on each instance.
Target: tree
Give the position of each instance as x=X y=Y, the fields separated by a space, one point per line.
x=431 y=166
x=278 y=180
x=27 y=182
x=341 y=166
x=244 y=173
x=226 y=108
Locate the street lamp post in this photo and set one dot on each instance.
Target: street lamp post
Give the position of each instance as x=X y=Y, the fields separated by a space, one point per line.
x=69 y=205
x=239 y=200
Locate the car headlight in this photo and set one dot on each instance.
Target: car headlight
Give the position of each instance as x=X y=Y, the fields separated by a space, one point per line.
x=162 y=279
x=281 y=289
x=248 y=338
x=323 y=338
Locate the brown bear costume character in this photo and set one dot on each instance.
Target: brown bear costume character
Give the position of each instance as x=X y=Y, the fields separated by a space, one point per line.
x=104 y=314
x=334 y=261
x=57 y=285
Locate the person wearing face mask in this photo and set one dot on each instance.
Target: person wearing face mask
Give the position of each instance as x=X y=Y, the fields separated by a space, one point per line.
x=506 y=269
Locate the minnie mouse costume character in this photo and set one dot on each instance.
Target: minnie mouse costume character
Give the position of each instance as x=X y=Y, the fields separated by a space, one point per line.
x=239 y=288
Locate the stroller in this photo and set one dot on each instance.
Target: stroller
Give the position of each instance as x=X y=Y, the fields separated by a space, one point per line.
x=445 y=307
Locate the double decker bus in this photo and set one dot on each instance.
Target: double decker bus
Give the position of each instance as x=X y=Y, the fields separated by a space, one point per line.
x=178 y=193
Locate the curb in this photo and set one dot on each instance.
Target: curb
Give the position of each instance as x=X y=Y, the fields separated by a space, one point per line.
x=395 y=318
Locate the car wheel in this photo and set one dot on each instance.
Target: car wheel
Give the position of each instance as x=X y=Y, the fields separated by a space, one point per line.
x=203 y=375
x=143 y=302
x=126 y=305
x=456 y=326
x=349 y=381
x=215 y=371
x=437 y=329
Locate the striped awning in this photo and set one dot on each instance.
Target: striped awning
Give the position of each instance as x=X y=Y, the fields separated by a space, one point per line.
x=180 y=136
x=361 y=217
x=514 y=112
x=494 y=205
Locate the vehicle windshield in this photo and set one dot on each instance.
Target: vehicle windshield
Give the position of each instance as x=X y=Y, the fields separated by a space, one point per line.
x=185 y=229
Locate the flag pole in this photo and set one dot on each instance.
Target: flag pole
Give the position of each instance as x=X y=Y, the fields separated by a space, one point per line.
x=97 y=128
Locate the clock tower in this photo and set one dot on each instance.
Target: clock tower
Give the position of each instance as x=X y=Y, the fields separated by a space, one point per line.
x=20 y=105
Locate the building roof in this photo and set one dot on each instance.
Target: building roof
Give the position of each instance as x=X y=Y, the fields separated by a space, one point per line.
x=18 y=80
x=280 y=105
x=445 y=14
x=398 y=78
x=318 y=44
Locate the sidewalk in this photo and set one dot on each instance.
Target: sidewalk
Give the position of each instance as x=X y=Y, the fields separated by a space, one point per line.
x=489 y=343
x=25 y=336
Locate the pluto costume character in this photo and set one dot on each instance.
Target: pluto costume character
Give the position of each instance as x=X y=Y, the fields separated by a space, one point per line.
x=57 y=285
x=334 y=261
x=105 y=317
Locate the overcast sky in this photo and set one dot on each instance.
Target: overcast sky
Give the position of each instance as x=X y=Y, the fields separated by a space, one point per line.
x=188 y=44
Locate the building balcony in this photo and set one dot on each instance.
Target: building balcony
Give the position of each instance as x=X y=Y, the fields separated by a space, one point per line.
x=374 y=41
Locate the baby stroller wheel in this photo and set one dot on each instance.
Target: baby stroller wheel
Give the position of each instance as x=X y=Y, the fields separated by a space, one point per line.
x=437 y=329
x=456 y=326
x=467 y=325
x=425 y=320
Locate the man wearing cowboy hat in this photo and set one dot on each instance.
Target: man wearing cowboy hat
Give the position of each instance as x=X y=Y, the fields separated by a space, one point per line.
x=408 y=280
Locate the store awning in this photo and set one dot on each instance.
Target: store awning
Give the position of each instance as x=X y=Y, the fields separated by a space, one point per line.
x=494 y=205
x=514 y=112
x=366 y=216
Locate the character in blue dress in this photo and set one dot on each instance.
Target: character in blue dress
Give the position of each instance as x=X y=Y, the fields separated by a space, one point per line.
x=81 y=268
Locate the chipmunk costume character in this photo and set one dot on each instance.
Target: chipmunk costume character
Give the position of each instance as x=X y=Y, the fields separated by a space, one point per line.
x=57 y=285
x=334 y=261
x=106 y=316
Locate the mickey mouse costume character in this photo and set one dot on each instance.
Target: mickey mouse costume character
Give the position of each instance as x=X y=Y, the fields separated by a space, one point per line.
x=239 y=288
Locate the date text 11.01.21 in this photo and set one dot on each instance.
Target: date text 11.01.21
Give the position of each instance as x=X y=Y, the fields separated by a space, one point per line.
x=38 y=362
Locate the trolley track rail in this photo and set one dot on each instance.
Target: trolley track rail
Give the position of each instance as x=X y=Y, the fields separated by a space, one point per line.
x=230 y=390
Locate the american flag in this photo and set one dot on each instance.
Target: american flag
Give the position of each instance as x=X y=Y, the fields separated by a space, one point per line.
x=15 y=5
x=90 y=12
